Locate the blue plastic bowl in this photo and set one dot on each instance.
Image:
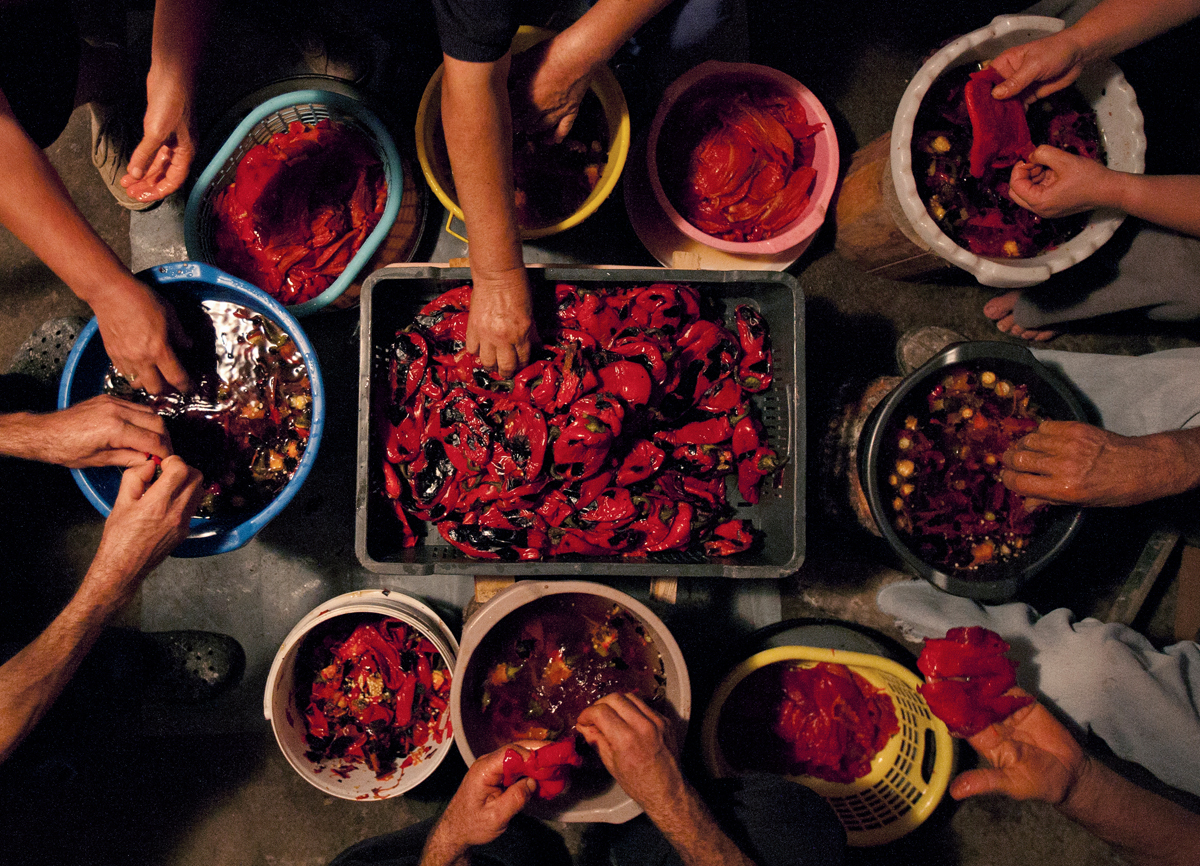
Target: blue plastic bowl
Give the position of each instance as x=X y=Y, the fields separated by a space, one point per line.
x=272 y=116
x=87 y=365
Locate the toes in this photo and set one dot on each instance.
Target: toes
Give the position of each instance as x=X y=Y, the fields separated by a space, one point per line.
x=1001 y=306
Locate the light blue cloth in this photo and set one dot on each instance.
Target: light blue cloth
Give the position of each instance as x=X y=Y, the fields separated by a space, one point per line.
x=1135 y=394
x=1104 y=677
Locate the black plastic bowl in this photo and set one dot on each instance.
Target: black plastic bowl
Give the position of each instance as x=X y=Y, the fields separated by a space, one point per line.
x=1054 y=398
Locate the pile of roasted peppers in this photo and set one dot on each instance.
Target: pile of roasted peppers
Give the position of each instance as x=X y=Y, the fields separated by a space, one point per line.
x=833 y=721
x=299 y=208
x=964 y=182
x=615 y=440
x=378 y=696
x=750 y=174
x=946 y=479
x=966 y=677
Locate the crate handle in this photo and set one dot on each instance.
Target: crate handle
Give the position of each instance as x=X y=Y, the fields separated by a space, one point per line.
x=930 y=756
x=452 y=232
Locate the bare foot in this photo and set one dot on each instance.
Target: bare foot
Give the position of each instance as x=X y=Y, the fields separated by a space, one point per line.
x=1000 y=310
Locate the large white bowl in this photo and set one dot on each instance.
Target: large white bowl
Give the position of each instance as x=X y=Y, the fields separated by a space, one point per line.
x=1121 y=131
x=351 y=780
x=610 y=805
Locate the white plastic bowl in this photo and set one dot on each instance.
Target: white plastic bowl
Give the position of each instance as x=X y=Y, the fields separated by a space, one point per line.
x=352 y=780
x=611 y=805
x=1121 y=131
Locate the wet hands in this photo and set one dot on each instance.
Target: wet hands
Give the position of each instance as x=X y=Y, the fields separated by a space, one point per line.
x=148 y=520
x=102 y=431
x=482 y=807
x=1037 y=69
x=1054 y=183
x=1069 y=462
x=545 y=94
x=637 y=746
x=159 y=164
x=138 y=331
x=1032 y=757
x=500 y=326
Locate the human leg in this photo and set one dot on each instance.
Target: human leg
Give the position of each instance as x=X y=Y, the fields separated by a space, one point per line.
x=526 y=842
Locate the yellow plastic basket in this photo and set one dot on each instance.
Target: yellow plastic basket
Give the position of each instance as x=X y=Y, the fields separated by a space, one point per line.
x=908 y=777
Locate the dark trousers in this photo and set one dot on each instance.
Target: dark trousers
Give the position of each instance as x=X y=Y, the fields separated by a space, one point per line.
x=774 y=821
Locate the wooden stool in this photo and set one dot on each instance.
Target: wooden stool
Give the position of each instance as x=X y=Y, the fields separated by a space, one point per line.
x=872 y=230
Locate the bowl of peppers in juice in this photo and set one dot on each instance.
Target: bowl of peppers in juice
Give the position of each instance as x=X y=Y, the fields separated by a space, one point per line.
x=953 y=147
x=253 y=420
x=930 y=460
x=539 y=653
x=743 y=158
x=358 y=695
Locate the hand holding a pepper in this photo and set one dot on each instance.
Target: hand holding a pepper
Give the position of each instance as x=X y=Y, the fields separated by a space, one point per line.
x=102 y=431
x=1032 y=757
x=1054 y=183
x=479 y=811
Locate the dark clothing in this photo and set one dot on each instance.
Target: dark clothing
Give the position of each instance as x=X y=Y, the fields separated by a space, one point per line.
x=774 y=821
x=477 y=31
x=39 y=66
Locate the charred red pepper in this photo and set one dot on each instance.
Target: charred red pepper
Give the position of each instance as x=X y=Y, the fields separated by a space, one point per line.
x=547 y=765
x=966 y=677
x=998 y=126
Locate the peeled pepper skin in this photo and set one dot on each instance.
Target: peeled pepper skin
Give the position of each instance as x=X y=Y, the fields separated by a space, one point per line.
x=966 y=677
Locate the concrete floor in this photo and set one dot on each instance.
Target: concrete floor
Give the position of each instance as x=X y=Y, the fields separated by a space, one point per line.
x=208 y=785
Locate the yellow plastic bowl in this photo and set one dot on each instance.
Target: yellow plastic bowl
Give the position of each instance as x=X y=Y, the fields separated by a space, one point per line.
x=431 y=145
x=908 y=777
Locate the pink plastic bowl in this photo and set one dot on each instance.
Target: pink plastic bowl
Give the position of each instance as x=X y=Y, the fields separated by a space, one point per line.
x=825 y=158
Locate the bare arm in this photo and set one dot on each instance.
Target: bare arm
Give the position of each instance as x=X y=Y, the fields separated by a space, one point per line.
x=1076 y=463
x=148 y=520
x=36 y=207
x=1054 y=183
x=1032 y=756
x=638 y=747
x=159 y=164
x=478 y=126
x=102 y=431
x=1046 y=65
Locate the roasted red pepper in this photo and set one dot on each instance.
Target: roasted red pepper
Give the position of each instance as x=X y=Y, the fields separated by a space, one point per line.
x=547 y=765
x=999 y=128
x=966 y=677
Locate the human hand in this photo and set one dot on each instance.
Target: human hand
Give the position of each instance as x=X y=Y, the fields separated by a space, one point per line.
x=1032 y=757
x=1068 y=462
x=1040 y=67
x=1054 y=183
x=159 y=164
x=545 y=93
x=482 y=807
x=637 y=746
x=500 y=326
x=138 y=330
x=102 y=431
x=148 y=520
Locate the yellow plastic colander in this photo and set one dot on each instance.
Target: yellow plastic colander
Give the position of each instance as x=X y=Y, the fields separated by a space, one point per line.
x=908 y=777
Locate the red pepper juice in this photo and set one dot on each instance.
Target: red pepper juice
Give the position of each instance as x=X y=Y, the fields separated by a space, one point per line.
x=976 y=213
x=547 y=662
x=825 y=721
x=245 y=424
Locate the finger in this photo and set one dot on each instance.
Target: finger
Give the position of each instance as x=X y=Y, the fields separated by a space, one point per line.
x=506 y=362
x=972 y=783
x=135 y=480
x=143 y=155
x=140 y=440
x=174 y=374
x=1017 y=198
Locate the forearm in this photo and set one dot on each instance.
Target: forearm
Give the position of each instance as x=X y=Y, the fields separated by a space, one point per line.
x=478 y=128
x=38 y=210
x=21 y=436
x=603 y=29
x=1147 y=829
x=681 y=816
x=1171 y=201
x=441 y=850
x=32 y=680
x=180 y=30
x=1117 y=25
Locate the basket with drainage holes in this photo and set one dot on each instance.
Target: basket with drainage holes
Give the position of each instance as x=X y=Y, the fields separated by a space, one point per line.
x=908 y=777
x=390 y=300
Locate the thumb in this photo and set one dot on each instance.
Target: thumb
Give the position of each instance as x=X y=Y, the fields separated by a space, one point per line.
x=135 y=480
x=972 y=783
x=143 y=155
